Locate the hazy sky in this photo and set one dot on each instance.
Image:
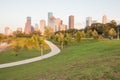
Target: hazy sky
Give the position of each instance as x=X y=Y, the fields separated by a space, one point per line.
x=13 y=13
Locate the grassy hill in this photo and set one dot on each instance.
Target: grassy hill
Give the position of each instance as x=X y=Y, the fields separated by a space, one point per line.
x=10 y=55
x=88 y=60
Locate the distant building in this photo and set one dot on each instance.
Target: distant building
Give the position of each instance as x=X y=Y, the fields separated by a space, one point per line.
x=104 y=19
x=94 y=21
x=19 y=29
x=51 y=21
x=42 y=26
x=71 y=22
x=32 y=29
x=62 y=27
x=28 y=26
x=88 y=21
x=58 y=23
x=50 y=14
x=8 y=31
x=36 y=28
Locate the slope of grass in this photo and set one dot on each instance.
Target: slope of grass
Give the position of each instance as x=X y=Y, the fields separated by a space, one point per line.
x=10 y=55
x=88 y=60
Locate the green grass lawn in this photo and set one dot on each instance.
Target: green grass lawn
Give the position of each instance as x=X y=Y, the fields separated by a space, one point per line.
x=10 y=55
x=88 y=60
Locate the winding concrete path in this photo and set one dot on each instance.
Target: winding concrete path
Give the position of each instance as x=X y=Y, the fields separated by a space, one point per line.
x=54 y=50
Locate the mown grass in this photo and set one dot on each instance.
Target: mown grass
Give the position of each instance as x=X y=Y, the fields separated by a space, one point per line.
x=10 y=55
x=87 y=60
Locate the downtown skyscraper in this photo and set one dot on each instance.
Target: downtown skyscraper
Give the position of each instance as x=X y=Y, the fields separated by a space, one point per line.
x=28 y=27
x=88 y=21
x=8 y=31
x=42 y=26
x=58 y=23
x=50 y=14
x=104 y=19
x=51 y=21
x=71 y=22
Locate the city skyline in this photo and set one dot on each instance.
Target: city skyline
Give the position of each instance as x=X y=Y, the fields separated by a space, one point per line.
x=13 y=13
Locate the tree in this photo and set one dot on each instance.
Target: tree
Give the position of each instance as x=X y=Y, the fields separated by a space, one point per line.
x=113 y=23
x=1 y=37
x=118 y=31
x=83 y=34
x=67 y=39
x=38 y=42
x=41 y=42
x=112 y=32
x=61 y=40
x=78 y=36
x=56 y=37
x=95 y=34
x=89 y=34
x=29 y=44
x=49 y=32
x=16 y=48
x=98 y=27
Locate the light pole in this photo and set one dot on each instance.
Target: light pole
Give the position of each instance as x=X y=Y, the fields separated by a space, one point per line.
x=118 y=33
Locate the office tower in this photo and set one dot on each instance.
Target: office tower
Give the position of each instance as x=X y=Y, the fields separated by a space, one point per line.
x=50 y=14
x=42 y=26
x=58 y=23
x=65 y=27
x=51 y=21
x=94 y=21
x=32 y=29
x=71 y=22
x=28 y=26
x=36 y=28
x=104 y=19
x=88 y=21
x=19 y=29
x=8 y=31
x=62 y=27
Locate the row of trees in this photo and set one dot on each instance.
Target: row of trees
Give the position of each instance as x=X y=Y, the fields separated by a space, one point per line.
x=17 y=43
x=65 y=37
x=35 y=41
x=105 y=30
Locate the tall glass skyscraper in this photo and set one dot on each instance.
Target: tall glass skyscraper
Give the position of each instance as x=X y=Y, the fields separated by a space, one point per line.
x=104 y=19
x=28 y=26
x=71 y=22
x=51 y=20
x=42 y=26
x=88 y=21
x=50 y=14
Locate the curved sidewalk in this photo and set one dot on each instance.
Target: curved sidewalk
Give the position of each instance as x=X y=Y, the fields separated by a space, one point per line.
x=54 y=50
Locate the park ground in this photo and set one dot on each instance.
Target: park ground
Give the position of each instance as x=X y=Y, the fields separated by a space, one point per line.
x=86 y=60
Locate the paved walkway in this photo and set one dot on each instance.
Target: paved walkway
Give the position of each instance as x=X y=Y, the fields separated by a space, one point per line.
x=54 y=50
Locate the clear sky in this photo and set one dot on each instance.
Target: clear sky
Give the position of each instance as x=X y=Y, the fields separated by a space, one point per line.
x=13 y=13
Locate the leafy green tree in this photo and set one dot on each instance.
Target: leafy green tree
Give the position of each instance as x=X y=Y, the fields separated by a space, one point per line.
x=61 y=40
x=89 y=34
x=1 y=37
x=98 y=27
x=16 y=48
x=29 y=44
x=56 y=36
x=41 y=43
x=49 y=32
x=83 y=34
x=95 y=34
x=113 y=23
x=67 y=39
x=118 y=31
x=78 y=36
x=38 y=42
x=112 y=32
